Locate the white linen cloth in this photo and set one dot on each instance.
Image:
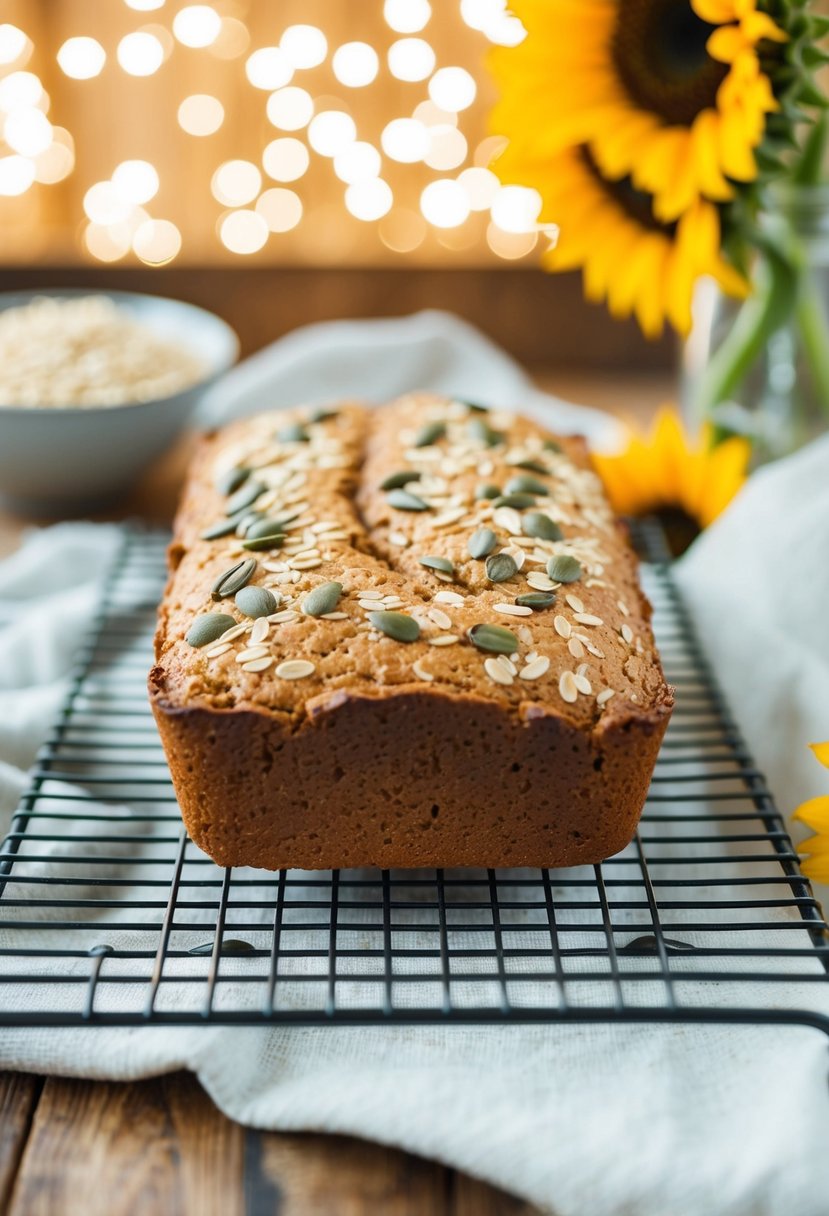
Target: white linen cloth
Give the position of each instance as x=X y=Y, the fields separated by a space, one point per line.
x=592 y=1119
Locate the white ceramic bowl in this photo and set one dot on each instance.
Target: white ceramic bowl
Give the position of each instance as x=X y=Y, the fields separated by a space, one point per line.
x=56 y=461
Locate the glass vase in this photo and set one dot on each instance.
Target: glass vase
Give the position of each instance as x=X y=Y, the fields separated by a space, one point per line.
x=760 y=368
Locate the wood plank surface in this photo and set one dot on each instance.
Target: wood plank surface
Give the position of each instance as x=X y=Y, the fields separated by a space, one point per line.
x=161 y=1148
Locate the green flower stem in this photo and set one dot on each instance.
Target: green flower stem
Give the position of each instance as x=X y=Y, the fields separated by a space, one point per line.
x=813 y=331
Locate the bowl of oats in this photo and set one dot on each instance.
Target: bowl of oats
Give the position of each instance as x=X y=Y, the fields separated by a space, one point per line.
x=94 y=387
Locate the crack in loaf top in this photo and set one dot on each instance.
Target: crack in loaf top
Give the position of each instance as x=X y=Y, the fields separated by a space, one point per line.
x=375 y=515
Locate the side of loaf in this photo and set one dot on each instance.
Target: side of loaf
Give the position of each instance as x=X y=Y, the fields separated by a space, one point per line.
x=410 y=636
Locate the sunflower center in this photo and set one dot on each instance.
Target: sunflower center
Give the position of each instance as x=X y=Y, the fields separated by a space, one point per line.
x=658 y=49
x=635 y=203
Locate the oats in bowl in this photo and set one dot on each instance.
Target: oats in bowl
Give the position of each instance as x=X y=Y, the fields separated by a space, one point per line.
x=85 y=351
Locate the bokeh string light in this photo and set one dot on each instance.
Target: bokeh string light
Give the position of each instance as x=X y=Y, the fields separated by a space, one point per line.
x=315 y=151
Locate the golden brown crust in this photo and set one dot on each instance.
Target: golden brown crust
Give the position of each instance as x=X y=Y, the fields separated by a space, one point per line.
x=396 y=753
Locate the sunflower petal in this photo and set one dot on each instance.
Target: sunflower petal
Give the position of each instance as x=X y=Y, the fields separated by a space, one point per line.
x=815 y=814
x=821 y=750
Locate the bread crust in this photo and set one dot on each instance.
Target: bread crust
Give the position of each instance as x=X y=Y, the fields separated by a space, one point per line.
x=365 y=762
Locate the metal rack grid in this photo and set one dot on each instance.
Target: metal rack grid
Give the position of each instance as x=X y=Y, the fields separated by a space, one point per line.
x=109 y=915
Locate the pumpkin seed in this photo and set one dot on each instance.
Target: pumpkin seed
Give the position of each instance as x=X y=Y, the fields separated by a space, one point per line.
x=564 y=568
x=294 y=432
x=493 y=638
x=532 y=466
x=524 y=484
x=550 y=445
x=481 y=543
x=232 y=479
x=500 y=567
x=264 y=527
x=234 y=579
x=396 y=625
x=230 y=945
x=256 y=601
x=539 y=525
x=246 y=520
x=479 y=428
x=222 y=527
x=429 y=434
x=536 y=600
x=322 y=599
x=433 y=562
x=487 y=490
x=396 y=481
x=519 y=501
x=258 y=544
x=245 y=497
x=322 y=414
x=208 y=627
x=475 y=408
x=404 y=501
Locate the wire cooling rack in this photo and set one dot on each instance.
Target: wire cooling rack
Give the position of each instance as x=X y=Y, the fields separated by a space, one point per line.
x=109 y=915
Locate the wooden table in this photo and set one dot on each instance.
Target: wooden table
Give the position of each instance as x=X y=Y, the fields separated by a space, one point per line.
x=160 y=1147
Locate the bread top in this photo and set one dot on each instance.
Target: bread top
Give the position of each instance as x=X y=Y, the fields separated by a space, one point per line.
x=588 y=658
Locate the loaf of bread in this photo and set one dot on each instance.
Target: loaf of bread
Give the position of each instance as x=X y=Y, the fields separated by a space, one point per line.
x=409 y=636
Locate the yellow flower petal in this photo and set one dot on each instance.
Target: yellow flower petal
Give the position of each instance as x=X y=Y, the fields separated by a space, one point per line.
x=821 y=750
x=815 y=814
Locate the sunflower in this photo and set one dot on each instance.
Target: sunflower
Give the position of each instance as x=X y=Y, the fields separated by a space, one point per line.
x=664 y=472
x=670 y=94
x=638 y=264
x=815 y=814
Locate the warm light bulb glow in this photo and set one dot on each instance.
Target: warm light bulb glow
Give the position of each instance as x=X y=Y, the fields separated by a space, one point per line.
x=104 y=205
x=144 y=6
x=488 y=149
x=107 y=244
x=27 y=131
x=291 y=108
x=81 y=58
x=369 y=200
x=286 y=159
x=452 y=89
x=140 y=53
x=58 y=161
x=156 y=242
x=447 y=148
x=200 y=114
x=331 y=131
x=444 y=204
x=304 y=45
x=236 y=182
x=197 y=25
x=358 y=162
x=20 y=89
x=405 y=140
x=433 y=116
x=493 y=20
x=510 y=245
x=269 y=68
x=16 y=175
x=407 y=16
x=355 y=64
x=14 y=44
x=280 y=209
x=411 y=59
x=135 y=181
x=233 y=39
x=480 y=186
x=402 y=230
x=516 y=209
x=243 y=232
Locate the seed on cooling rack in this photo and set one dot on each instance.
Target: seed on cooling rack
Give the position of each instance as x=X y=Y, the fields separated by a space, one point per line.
x=487 y=490
x=481 y=543
x=245 y=497
x=396 y=625
x=322 y=599
x=230 y=481
x=434 y=562
x=522 y=483
x=234 y=579
x=256 y=601
x=429 y=434
x=402 y=500
x=519 y=502
x=396 y=481
x=536 y=600
x=564 y=568
x=539 y=526
x=493 y=638
x=208 y=627
x=500 y=567
x=294 y=432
